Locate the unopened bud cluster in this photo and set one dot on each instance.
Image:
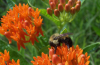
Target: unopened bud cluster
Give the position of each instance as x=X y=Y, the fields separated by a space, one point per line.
x=58 y=6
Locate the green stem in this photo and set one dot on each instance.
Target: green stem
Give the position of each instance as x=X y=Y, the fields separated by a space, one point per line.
x=59 y=27
x=36 y=47
x=31 y=4
x=62 y=21
x=73 y=17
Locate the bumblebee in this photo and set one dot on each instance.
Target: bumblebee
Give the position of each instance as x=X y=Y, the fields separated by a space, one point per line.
x=56 y=39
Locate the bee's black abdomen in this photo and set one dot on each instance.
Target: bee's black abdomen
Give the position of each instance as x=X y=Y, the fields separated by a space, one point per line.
x=67 y=41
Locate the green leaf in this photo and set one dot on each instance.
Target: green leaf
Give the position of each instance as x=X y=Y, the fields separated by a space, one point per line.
x=13 y=54
x=44 y=50
x=46 y=2
x=64 y=31
x=3 y=38
x=37 y=4
x=91 y=47
x=31 y=51
x=96 y=29
x=11 y=3
x=82 y=1
x=52 y=18
x=91 y=20
x=30 y=2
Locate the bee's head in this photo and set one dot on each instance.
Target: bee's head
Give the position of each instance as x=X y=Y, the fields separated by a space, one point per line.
x=52 y=41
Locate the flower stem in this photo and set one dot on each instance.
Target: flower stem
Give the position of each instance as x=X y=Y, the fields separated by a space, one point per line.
x=31 y=4
x=36 y=47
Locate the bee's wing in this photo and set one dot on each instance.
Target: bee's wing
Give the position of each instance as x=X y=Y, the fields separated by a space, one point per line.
x=62 y=35
x=65 y=34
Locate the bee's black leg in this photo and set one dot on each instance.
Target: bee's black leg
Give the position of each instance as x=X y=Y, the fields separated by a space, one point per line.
x=55 y=49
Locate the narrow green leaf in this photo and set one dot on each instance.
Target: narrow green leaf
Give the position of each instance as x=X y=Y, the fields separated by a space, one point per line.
x=84 y=42
x=37 y=4
x=82 y=1
x=91 y=47
x=3 y=38
x=96 y=29
x=64 y=31
x=11 y=3
x=44 y=49
x=91 y=20
x=31 y=3
x=46 y=2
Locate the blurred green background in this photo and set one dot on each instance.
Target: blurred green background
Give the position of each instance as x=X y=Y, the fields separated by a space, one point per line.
x=85 y=27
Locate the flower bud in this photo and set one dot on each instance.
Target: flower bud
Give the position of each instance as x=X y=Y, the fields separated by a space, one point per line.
x=74 y=2
x=55 y=59
x=55 y=1
x=51 y=52
x=59 y=64
x=49 y=11
x=67 y=8
x=60 y=7
x=70 y=2
x=29 y=11
x=72 y=11
x=80 y=57
x=50 y=1
x=77 y=7
x=26 y=23
x=52 y=5
x=78 y=2
x=7 y=34
x=62 y=2
x=56 y=12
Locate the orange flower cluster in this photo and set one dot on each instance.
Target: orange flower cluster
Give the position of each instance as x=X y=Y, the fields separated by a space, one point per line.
x=21 y=22
x=5 y=59
x=63 y=56
x=58 y=6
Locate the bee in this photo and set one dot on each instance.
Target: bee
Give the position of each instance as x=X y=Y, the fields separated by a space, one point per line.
x=56 y=40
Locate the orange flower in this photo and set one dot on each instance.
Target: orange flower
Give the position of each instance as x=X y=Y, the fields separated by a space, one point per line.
x=14 y=63
x=19 y=22
x=32 y=34
x=38 y=23
x=64 y=56
x=17 y=38
x=44 y=60
x=5 y=56
x=2 y=62
x=5 y=59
